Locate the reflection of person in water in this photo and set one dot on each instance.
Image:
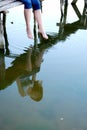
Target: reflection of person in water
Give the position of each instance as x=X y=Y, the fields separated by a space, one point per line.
x=2 y=66
x=27 y=84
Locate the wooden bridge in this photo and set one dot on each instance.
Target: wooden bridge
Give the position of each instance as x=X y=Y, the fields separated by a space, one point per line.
x=6 y=4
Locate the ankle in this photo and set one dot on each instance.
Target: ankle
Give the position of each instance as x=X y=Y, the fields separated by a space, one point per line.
x=29 y=34
x=44 y=35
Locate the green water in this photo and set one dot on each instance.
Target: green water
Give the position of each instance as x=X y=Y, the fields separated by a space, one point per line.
x=57 y=67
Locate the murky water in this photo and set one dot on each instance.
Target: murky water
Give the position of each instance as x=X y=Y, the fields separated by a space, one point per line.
x=43 y=84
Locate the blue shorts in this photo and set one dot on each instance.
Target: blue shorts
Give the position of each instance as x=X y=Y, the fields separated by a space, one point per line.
x=35 y=4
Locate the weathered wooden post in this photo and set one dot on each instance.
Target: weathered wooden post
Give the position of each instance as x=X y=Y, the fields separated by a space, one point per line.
x=63 y=3
x=84 y=15
x=2 y=41
x=74 y=2
x=62 y=20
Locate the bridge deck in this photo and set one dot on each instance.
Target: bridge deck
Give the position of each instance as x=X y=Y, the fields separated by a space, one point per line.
x=6 y=4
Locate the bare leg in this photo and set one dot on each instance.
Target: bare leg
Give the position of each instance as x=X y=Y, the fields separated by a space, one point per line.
x=38 y=18
x=27 y=14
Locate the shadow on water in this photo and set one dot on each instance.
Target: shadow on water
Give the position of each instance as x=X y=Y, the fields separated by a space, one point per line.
x=25 y=67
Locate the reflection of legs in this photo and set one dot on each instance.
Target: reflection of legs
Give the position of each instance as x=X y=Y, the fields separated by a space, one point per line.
x=29 y=64
x=20 y=89
x=27 y=14
x=39 y=58
x=38 y=18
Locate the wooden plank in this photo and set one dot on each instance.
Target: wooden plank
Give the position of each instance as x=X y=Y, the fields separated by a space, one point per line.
x=4 y=2
x=10 y=4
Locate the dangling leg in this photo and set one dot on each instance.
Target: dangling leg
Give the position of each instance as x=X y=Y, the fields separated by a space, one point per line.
x=27 y=14
x=38 y=18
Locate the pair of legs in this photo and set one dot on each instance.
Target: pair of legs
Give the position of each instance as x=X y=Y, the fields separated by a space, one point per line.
x=35 y=5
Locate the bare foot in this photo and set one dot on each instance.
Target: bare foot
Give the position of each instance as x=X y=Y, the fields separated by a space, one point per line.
x=29 y=34
x=44 y=35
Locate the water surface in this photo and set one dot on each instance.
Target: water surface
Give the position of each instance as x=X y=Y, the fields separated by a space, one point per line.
x=60 y=63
